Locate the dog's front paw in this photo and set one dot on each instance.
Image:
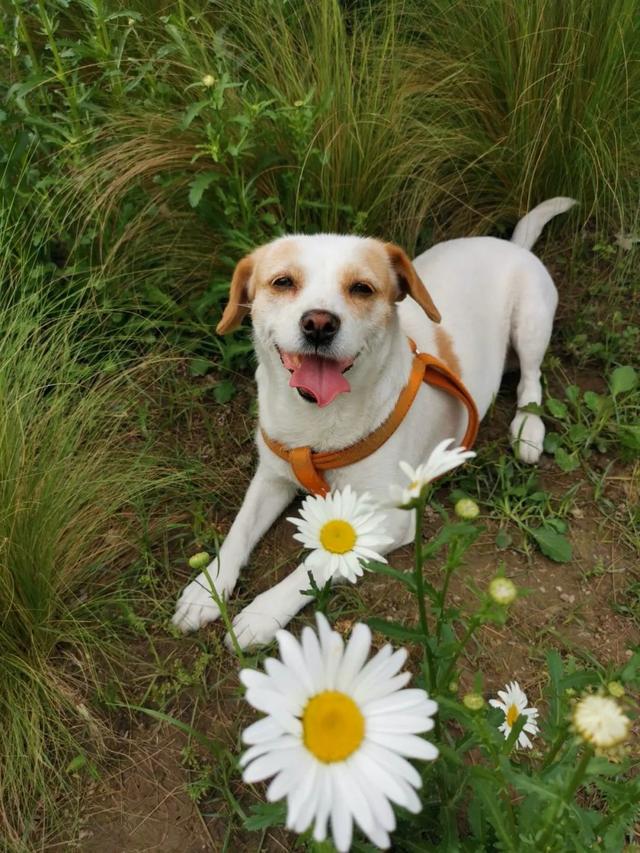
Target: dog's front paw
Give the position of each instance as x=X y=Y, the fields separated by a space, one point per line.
x=256 y=625
x=527 y=437
x=195 y=606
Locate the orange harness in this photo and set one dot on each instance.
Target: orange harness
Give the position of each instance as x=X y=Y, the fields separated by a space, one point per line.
x=308 y=465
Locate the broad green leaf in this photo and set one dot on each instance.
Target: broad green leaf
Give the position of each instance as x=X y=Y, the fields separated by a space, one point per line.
x=623 y=379
x=198 y=185
x=551 y=441
x=553 y=545
x=566 y=461
x=557 y=408
x=224 y=391
x=595 y=402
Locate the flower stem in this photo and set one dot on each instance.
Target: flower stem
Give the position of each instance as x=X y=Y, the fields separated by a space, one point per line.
x=422 y=608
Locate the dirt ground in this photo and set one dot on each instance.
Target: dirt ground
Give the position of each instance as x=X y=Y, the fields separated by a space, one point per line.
x=142 y=804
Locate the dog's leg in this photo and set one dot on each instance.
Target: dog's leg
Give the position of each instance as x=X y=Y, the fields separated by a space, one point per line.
x=258 y=623
x=265 y=499
x=530 y=335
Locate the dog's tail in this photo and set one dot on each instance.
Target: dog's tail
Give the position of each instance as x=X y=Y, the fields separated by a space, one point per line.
x=530 y=226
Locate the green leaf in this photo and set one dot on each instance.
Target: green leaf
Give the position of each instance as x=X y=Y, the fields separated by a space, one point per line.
x=224 y=391
x=557 y=408
x=264 y=815
x=199 y=366
x=629 y=436
x=551 y=442
x=503 y=540
x=191 y=113
x=572 y=393
x=198 y=185
x=396 y=631
x=623 y=379
x=384 y=569
x=553 y=545
x=594 y=402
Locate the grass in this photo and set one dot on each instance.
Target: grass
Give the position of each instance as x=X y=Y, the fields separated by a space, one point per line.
x=143 y=151
x=73 y=469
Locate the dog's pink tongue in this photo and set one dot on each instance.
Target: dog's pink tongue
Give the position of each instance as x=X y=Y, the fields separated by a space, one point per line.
x=320 y=377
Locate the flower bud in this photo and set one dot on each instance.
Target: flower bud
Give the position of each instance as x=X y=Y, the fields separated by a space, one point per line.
x=473 y=701
x=208 y=80
x=199 y=560
x=616 y=689
x=503 y=591
x=467 y=509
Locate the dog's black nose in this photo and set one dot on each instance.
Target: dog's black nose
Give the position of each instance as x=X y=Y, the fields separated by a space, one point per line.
x=319 y=327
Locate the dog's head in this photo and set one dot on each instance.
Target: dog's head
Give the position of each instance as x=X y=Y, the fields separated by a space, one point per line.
x=321 y=303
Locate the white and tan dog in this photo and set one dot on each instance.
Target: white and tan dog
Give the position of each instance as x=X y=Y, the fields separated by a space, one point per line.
x=331 y=316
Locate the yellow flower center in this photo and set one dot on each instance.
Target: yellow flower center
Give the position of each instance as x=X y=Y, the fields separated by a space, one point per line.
x=512 y=714
x=332 y=725
x=337 y=536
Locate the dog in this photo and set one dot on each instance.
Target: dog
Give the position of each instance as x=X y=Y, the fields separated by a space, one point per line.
x=331 y=318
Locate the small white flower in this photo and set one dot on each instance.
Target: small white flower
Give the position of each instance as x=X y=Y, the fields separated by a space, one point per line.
x=600 y=721
x=513 y=702
x=439 y=462
x=208 y=81
x=337 y=734
x=503 y=591
x=341 y=529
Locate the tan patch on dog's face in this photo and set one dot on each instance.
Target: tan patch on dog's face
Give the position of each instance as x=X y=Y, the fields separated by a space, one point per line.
x=369 y=283
x=277 y=271
x=446 y=351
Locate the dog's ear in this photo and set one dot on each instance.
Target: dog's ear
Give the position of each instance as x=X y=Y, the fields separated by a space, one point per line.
x=409 y=282
x=238 y=306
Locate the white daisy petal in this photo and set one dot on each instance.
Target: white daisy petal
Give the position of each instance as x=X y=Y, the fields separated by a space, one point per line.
x=378 y=803
x=392 y=762
x=300 y=795
x=380 y=778
x=273 y=762
x=284 y=742
x=291 y=654
x=404 y=700
x=353 y=796
x=400 y=724
x=410 y=746
x=341 y=822
x=354 y=656
x=313 y=658
x=324 y=804
x=263 y=730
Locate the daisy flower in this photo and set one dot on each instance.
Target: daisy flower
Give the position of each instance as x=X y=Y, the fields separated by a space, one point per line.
x=337 y=734
x=341 y=529
x=513 y=702
x=441 y=460
x=600 y=721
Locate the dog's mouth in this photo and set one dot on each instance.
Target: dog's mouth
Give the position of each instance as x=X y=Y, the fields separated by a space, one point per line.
x=317 y=379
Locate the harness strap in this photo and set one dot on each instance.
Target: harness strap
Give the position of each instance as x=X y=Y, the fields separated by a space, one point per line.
x=307 y=465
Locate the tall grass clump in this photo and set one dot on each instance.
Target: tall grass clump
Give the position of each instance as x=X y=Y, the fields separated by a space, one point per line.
x=547 y=92
x=71 y=471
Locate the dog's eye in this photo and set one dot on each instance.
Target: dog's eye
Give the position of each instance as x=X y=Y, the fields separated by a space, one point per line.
x=361 y=288
x=283 y=282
